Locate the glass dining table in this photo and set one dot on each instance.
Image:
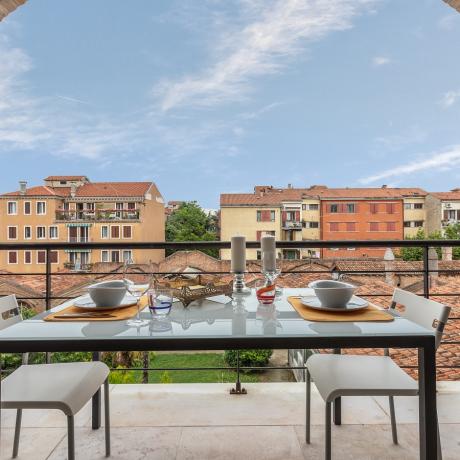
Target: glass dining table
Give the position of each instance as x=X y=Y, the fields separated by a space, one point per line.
x=240 y=323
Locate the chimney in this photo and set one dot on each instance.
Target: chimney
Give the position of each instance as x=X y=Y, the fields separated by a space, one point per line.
x=389 y=263
x=447 y=254
x=73 y=190
x=289 y=186
x=384 y=186
x=22 y=187
x=433 y=264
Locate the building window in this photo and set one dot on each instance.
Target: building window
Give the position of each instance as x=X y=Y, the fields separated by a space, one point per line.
x=312 y=224
x=27 y=232
x=53 y=232
x=115 y=231
x=12 y=257
x=115 y=256
x=313 y=207
x=304 y=207
x=104 y=232
x=12 y=232
x=12 y=208
x=407 y=205
x=128 y=256
x=407 y=224
x=391 y=226
x=131 y=206
x=334 y=226
x=390 y=208
x=373 y=226
x=351 y=226
x=127 y=231
x=259 y=255
x=350 y=208
x=27 y=208
x=41 y=208
x=104 y=256
x=41 y=257
x=418 y=205
x=374 y=208
x=418 y=223
x=54 y=257
x=333 y=208
x=41 y=233
x=265 y=216
x=28 y=257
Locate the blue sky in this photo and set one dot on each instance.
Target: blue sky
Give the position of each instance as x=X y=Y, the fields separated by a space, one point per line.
x=206 y=97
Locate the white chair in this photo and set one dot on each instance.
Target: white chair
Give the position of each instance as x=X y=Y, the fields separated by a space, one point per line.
x=65 y=386
x=353 y=375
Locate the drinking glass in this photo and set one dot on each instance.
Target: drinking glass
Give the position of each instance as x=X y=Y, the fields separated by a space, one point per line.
x=137 y=291
x=265 y=291
x=160 y=301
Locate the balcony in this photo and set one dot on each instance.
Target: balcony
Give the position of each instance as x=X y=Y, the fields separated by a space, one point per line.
x=202 y=421
x=97 y=215
x=291 y=225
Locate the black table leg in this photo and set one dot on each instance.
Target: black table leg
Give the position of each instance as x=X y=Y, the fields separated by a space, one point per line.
x=337 y=411
x=96 y=402
x=427 y=401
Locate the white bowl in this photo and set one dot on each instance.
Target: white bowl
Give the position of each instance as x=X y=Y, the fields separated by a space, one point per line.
x=333 y=294
x=107 y=293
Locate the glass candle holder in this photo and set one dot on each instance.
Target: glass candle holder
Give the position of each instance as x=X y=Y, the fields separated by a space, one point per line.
x=265 y=291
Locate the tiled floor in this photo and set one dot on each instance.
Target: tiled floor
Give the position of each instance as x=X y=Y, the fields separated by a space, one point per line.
x=203 y=421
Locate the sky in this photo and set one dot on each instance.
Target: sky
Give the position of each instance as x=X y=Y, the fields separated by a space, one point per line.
x=216 y=96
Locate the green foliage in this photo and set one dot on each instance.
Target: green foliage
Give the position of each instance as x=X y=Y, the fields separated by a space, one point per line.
x=165 y=377
x=190 y=223
x=255 y=357
x=451 y=232
x=121 y=376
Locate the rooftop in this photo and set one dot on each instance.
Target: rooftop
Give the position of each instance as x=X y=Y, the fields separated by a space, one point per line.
x=198 y=421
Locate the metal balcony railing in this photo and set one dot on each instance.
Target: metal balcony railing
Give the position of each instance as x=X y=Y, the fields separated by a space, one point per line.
x=425 y=271
x=292 y=225
x=97 y=215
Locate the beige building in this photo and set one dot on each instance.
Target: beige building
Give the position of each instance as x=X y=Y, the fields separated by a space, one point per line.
x=293 y=214
x=74 y=209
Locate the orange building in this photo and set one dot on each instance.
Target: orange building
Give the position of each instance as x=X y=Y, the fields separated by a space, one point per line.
x=361 y=214
x=74 y=209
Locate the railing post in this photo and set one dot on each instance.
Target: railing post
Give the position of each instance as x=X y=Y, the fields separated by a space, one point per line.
x=48 y=280
x=426 y=272
x=238 y=390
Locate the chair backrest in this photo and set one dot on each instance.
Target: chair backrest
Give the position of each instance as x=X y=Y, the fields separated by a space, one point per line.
x=425 y=312
x=10 y=312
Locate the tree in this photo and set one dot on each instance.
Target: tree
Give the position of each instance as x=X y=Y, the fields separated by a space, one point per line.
x=190 y=223
x=413 y=253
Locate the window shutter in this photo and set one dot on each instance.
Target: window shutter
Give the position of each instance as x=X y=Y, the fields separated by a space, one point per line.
x=458 y=214
x=297 y=216
x=356 y=207
x=446 y=215
x=284 y=215
x=259 y=234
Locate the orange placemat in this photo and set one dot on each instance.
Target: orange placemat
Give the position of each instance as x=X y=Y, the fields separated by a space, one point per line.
x=369 y=313
x=116 y=314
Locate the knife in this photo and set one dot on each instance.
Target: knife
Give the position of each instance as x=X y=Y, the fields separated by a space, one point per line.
x=85 y=315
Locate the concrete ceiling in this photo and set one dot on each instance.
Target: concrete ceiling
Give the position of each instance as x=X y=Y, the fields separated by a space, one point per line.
x=7 y=6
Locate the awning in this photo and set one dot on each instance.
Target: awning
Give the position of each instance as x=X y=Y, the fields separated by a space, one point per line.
x=78 y=225
x=77 y=250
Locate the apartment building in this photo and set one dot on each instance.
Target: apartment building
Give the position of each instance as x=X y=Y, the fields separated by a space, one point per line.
x=319 y=212
x=74 y=209
x=443 y=209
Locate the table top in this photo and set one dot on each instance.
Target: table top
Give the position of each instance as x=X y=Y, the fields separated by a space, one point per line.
x=240 y=323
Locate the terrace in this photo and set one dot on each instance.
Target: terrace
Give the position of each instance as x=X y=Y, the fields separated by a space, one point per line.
x=166 y=420
x=101 y=215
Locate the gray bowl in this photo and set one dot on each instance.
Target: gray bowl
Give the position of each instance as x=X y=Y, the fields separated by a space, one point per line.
x=333 y=294
x=107 y=293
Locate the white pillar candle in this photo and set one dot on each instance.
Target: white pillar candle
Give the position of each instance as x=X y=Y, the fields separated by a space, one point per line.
x=238 y=254
x=268 y=247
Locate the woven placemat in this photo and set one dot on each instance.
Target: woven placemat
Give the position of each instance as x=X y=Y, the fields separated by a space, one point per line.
x=370 y=313
x=116 y=314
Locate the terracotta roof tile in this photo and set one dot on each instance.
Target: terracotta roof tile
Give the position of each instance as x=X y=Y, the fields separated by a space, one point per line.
x=115 y=189
x=40 y=190
x=53 y=178
x=447 y=196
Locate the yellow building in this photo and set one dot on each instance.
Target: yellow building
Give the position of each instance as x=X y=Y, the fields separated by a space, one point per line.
x=73 y=209
x=415 y=216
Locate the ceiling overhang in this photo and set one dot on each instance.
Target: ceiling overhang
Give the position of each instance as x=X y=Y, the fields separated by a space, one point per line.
x=7 y=6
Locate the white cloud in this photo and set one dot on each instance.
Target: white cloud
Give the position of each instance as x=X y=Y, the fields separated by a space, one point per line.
x=450 y=98
x=379 y=61
x=448 y=22
x=259 y=112
x=277 y=30
x=436 y=161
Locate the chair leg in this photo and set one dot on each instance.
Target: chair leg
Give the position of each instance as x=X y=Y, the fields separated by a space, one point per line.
x=107 y=417
x=439 y=439
x=394 y=431
x=70 y=437
x=327 y=439
x=17 y=432
x=308 y=407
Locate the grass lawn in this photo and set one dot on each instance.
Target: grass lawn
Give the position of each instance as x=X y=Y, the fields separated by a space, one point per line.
x=184 y=360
